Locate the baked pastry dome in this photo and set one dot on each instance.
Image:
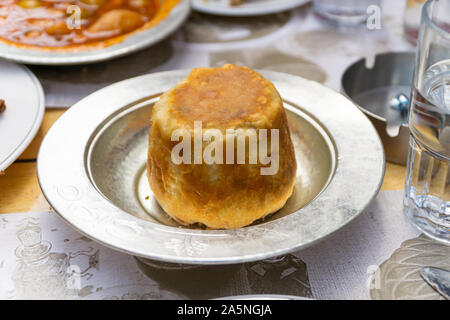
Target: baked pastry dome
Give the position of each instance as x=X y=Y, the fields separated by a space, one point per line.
x=225 y=194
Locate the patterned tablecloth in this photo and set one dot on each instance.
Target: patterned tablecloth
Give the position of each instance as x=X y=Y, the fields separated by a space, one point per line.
x=42 y=257
x=378 y=255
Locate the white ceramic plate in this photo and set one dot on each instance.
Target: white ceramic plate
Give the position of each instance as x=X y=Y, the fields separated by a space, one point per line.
x=131 y=44
x=248 y=8
x=25 y=105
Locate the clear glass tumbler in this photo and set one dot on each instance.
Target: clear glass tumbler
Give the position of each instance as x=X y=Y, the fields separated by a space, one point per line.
x=427 y=188
x=344 y=12
x=411 y=19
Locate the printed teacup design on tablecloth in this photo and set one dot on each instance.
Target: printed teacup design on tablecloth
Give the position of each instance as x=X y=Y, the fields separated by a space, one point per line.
x=41 y=273
x=270 y=58
x=399 y=277
x=133 y=292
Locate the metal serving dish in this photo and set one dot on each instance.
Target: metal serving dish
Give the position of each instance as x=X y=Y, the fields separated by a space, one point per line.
x=373 y=89
x=118 y=170
x=129 y=45
x=91 y=168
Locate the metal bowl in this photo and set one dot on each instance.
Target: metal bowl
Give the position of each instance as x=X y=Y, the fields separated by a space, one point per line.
x=129 y=45
x=118 y=169
x=91 y=169
x=373 y=89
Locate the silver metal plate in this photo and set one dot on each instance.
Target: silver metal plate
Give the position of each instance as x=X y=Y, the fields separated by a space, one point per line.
x=438 y=279
x=91 y=169
x=129 y=45
x=118 y=169
x=373 y=90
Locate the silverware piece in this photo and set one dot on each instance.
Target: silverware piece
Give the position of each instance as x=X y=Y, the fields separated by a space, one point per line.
x=381 y=92
x=438 y=279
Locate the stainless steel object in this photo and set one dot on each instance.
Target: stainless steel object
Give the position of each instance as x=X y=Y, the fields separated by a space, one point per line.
x=373 y=90
x=129 y=45
x=119 y=170
x=91 y=169
x=438 y=279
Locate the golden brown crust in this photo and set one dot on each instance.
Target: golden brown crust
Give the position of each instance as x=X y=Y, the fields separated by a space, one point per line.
x=221 y=196
x=224 y=97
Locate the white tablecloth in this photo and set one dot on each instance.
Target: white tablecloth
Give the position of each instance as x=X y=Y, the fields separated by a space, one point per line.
x=337 y=268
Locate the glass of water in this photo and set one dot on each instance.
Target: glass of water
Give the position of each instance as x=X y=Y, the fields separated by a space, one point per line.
x=344 y=12
x=411 y=19
x=427 y=188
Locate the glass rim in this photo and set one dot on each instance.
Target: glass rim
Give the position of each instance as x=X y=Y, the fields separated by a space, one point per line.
x=428 y=20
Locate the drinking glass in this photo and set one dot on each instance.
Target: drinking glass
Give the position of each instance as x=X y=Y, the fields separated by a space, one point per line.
x=411 y=19
x=344 y=12
x=427 y=188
